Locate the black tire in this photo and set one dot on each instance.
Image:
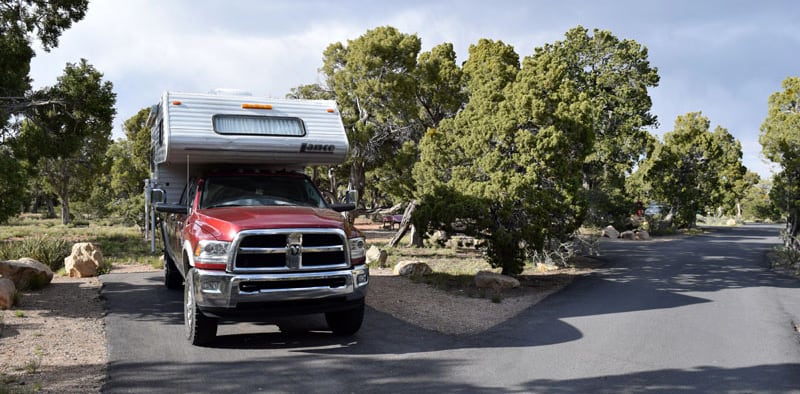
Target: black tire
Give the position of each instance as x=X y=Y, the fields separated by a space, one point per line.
x=200 y=329
x=172 y=277
x=345 y=323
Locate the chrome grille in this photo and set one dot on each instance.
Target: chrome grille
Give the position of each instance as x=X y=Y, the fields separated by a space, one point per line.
x=289 y=250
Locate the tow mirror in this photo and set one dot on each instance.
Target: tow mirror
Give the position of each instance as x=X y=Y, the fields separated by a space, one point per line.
x=158 y=195
x=172 y=208
x=351 y=197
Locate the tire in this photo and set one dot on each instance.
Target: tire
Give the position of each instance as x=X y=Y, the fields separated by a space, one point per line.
x=172 y=277
x=345 y=323
x=200 y=329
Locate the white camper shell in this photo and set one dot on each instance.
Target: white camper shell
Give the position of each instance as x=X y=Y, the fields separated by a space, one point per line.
x=192 y=133
x=210 y=128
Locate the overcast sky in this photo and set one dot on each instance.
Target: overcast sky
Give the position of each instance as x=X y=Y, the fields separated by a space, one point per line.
x=724 y=58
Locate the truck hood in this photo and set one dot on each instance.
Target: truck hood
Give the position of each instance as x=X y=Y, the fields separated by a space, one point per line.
x=224 y=223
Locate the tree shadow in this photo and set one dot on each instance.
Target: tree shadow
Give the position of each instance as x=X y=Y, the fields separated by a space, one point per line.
x=387 y=354
x=777 y=378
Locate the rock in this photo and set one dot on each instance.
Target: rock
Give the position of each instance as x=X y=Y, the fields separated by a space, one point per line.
x=546 y=267
x=642 y=235
x=610 y=232
x=26 y=273
x=7 y=290
x=412 y=268
x=491 y=280
x=627 y=235
x=731 y=222
x=439 y=238
x=84 y=260
x=376 y=254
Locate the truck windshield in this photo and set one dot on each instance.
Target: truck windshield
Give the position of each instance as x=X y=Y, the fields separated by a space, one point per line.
x=259 y=190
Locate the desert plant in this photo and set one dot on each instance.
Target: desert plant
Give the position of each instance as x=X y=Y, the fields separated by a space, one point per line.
x=46 y=249
x=561 y=253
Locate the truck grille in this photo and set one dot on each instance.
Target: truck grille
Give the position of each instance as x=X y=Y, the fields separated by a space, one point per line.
x=290 y=250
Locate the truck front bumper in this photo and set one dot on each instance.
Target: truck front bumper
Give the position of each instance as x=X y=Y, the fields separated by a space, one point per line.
x=225 y=294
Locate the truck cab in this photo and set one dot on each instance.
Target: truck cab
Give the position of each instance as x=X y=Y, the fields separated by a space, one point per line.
x=253 y=239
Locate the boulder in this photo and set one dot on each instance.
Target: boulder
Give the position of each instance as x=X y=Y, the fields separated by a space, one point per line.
x=84 y=261
x=642 y=235
x=439 y=238
x=412 y=268
x=494 y=281
x=627 y=235
x=610 y=232
x=730 y=222
x=26 y=273
x=7 y=290
x=375 y=254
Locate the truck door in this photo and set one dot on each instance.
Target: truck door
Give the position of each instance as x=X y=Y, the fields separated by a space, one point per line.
x=177 y=222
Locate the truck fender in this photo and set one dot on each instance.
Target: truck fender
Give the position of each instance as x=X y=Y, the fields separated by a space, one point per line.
x=189 y=253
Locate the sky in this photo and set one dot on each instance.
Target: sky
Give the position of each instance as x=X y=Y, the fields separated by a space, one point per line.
x=722 y=58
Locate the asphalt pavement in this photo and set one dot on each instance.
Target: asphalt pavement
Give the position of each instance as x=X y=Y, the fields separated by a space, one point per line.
x=697 y=314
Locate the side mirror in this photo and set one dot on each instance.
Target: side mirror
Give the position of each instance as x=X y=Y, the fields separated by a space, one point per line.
x=351 y=197
x=343 y=207
x=172 y=208
x=158 y=196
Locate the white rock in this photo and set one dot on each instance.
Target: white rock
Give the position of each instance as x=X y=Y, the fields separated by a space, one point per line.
x=7 y=290
x=412 y=268
x=610 y=232
x=84 y=261
x=376 y=254
x=491 y=280
x=26 y=273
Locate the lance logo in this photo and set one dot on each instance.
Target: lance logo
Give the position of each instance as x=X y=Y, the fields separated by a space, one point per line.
x=317 y=148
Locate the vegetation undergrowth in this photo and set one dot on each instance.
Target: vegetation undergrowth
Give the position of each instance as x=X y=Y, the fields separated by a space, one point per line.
x=50 y=242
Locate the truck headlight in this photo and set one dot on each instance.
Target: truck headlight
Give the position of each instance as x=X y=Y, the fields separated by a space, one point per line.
x=357 y=250
x=215 y=252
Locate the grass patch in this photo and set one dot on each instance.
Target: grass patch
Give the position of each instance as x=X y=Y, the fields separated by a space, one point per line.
x=787 y=258
x=19 y=314
x=50 y=242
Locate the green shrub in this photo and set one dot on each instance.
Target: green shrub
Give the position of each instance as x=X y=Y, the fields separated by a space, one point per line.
x=45 y=249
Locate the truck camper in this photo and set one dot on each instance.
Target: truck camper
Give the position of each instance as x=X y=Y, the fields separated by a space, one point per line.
x=247 y=235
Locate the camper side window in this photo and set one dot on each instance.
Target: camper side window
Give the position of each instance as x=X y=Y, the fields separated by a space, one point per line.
x=160 y=132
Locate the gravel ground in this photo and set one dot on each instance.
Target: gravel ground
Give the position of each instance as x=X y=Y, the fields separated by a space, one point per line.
x=54 y=340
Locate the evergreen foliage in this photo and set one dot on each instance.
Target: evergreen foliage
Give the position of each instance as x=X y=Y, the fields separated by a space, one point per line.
x=780 y=139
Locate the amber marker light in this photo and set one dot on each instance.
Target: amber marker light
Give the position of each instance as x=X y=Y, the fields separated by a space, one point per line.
x=176 y=102
x=256 y=106
x=331 y=110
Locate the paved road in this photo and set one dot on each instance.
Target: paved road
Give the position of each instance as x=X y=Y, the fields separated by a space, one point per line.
x=701 y=314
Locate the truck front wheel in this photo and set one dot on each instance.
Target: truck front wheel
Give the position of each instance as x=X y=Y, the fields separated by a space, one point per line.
x=200 y=329
x=347 y=322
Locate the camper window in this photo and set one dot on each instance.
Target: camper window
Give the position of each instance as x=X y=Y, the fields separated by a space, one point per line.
x=259 y=125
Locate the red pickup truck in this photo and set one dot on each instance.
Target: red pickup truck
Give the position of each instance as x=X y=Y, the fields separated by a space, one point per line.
x=251 y=246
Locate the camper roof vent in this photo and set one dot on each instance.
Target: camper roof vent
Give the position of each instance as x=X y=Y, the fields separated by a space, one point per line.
x=231 y=92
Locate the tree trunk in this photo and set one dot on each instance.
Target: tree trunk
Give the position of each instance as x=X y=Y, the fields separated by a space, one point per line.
x=416 y=238
x=332 y=179
x=404 y=224
x=51 y=209
x=65 y=210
